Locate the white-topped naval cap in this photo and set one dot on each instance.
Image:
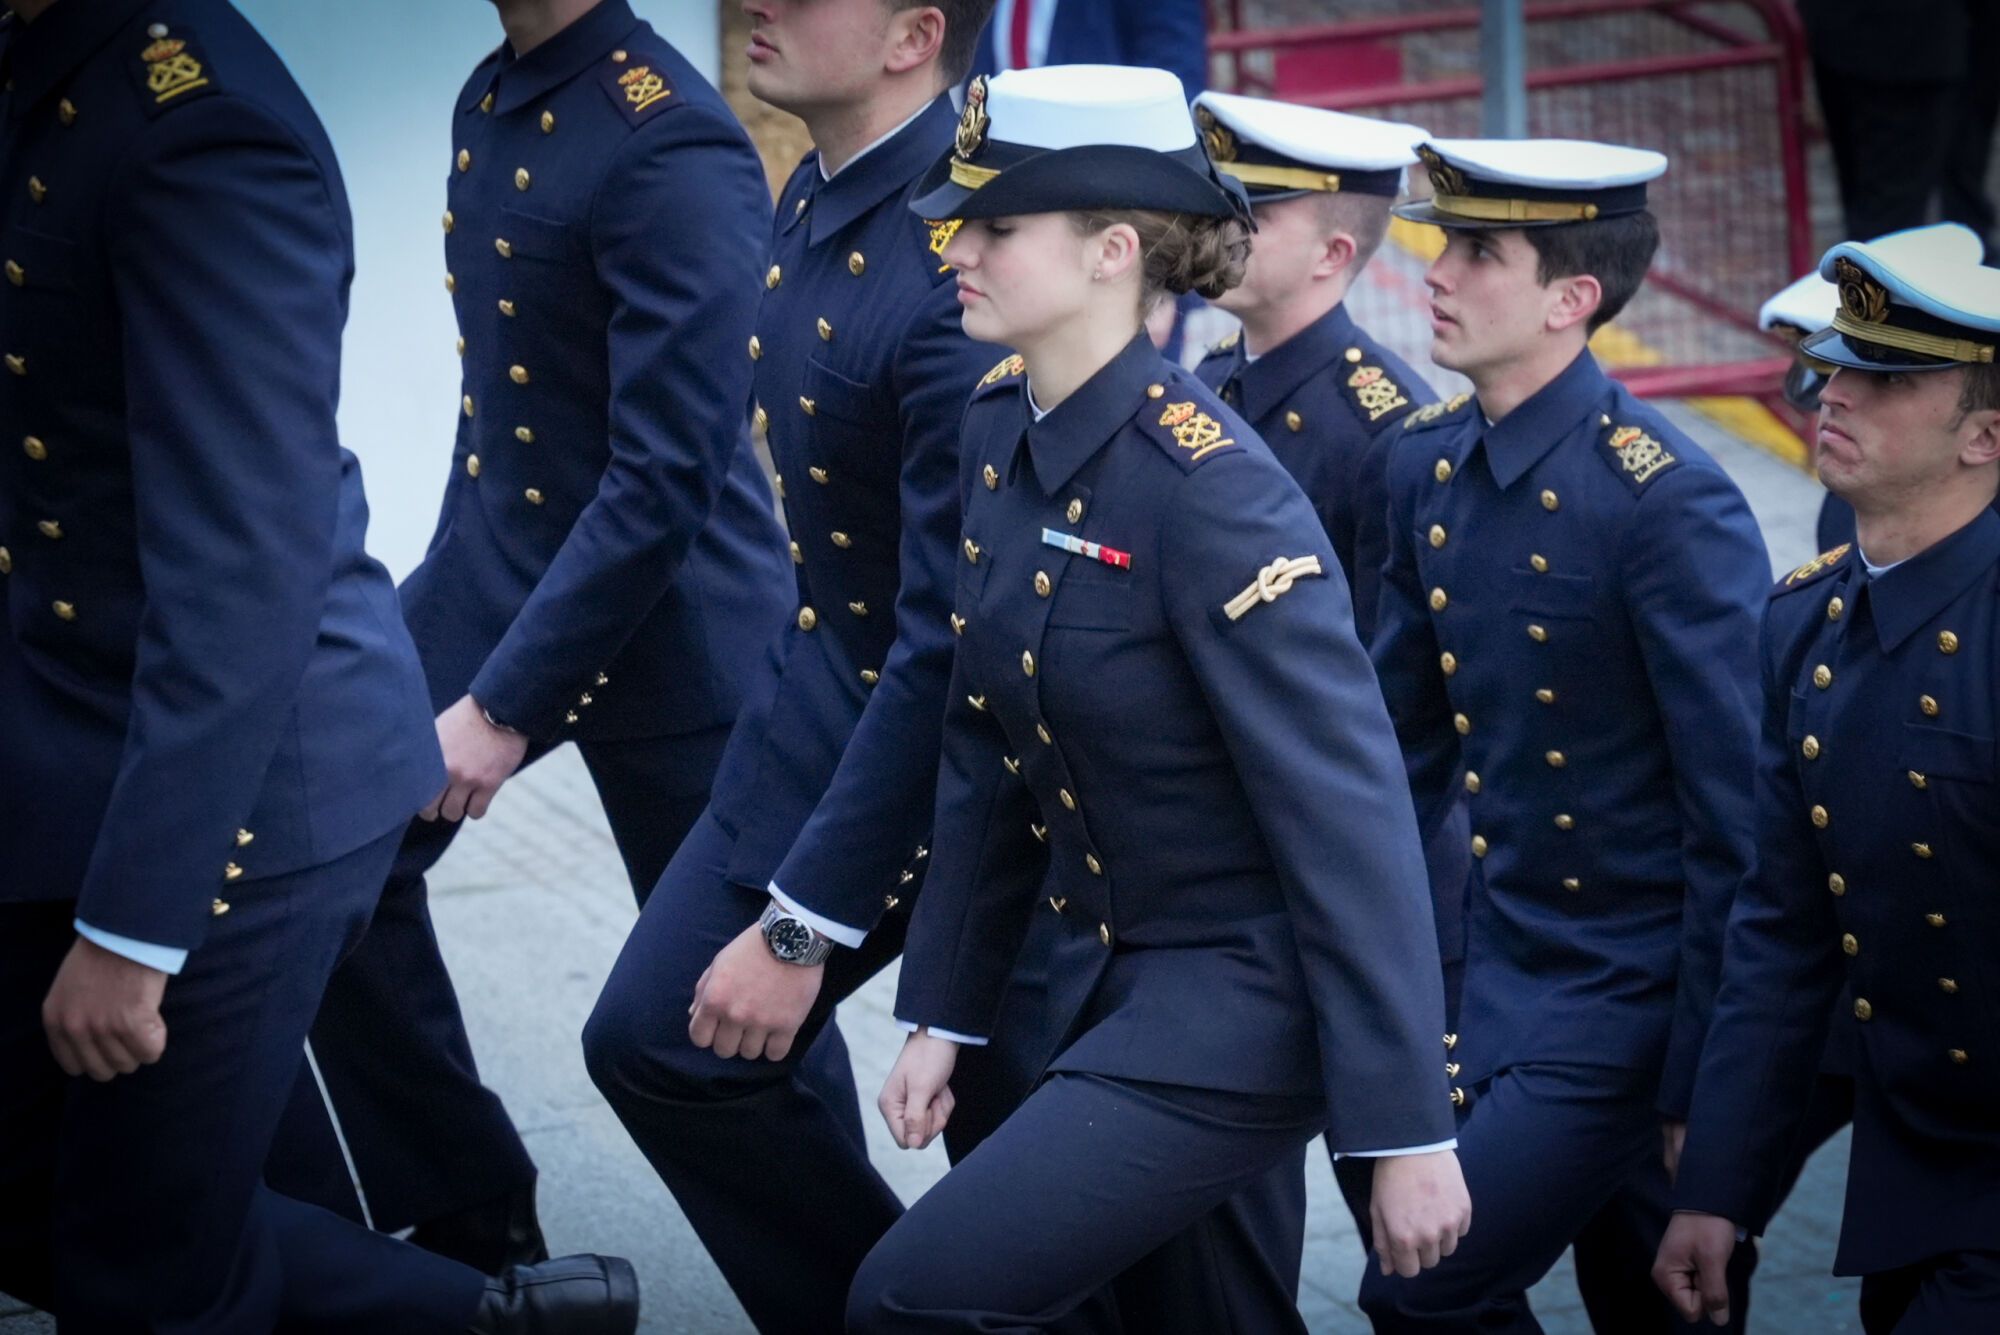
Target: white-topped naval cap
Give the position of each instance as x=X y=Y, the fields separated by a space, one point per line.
x=1074 y=106
x=1311 y=136
x=1909 y=303
x=1809 y=303
x=1551 y=164
x=1495 y=183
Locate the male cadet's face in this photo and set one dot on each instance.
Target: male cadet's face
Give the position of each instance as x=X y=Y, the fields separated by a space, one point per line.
x=1884 y=433
x=1019 y=278
x=811 y=53
x=1487 y=306
x=1291 y=238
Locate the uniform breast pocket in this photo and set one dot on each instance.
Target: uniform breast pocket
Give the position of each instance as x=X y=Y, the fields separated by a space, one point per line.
x=523 y=236
x=1092 y=604
x=1558 y=597
x=1937 y=754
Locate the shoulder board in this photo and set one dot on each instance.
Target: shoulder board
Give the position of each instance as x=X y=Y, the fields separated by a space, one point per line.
x=171 y=71
x=636 y=86
x=1227 y=343
x=1818 y=568
x=1435 y=412
x=1635 y=455
x=1374 y=394
x=1185 y=432
x=1008 y=372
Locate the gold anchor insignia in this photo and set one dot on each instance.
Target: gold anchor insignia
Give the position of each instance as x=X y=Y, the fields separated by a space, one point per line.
x=972 y=125
x=1194 y=430
x=1013 y=365
x=1818 y=563
x=941 y=235
x=173 y=71
x=1861 y=297
x=1220 y=142
x=1375 y=391
x=1641 y=455
x=1445 y=178
x=642 y=87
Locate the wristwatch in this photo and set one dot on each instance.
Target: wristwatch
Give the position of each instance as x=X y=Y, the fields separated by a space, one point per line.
x=792 y=939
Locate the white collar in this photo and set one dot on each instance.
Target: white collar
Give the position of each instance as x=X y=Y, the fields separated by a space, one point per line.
x=1033 y=407
x=1875 y=571
x=826 y=175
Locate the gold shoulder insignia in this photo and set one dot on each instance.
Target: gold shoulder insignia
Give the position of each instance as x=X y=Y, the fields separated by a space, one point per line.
x=1430 y=412
x=1009 y=366
x=1638 y=453
x=1823 y=562
x=170 y=68
x=1228 y=342
x=1375 y=391
x=941 y=235
x=1194 y=430
x=636 y=88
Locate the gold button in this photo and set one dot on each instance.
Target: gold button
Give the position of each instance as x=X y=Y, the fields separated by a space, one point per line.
x=1457 y=1097
x=1540 y=563
x=1352 y=354
x=507 y=308
x=603 y=680
x=1958 y=1056
x=957 y=623
x=66 y=112
x=1922 y=850
x=1565 y=821
x=66 y=611
x=1438 y=600
x=890 y=901
x=1849 y=945
x=840 y=539
x=972 y=551
x=464 y=158
x=1447 y=663
x=1822 y=676
x=1096 y=867
x=1104 y=932
x=1819 y=815
x=774 y=277
x=991 y=475
x=1539 y=634
x=1546 y=696
x=472 y=465
x=36 y=190
x=1918 y=781
x=1948 y=986
x=1572 y=884
x=584 y=699
x=1067 y=798
x=217 y=907
x=798 y=557
x=49 y=529
x=1929 y=705
x=548 y=122
x=1041 y=833
x=1834 y=607
x=1934 y=919
x=1452 y=1069
x=1836 y=883
x=486 y=102
x=1555 y=759
x=825 y=330
x=504 y=246
x=978 y=702
x=869 y=676
x=618 y=56
x=16 y=274
x=17 y=363
x=33 y=447
x=6 y=562
x=859 y=609
x=856 y=262
x=756 y=347
x=466 y=405
x=1042 y=732
x=1043 y=585
x=1479 y=845
x=450 y=283
x=518 y=374
x=1075 y=511
x=1947 y=642
x=1471 y=782
x=818 y=474
x=798 y=207
x=524 y=435
x=1862 y=1010
x=1437 y=535
x=521 y=178
x=460 y=346
x=1013 y=765
x=1810 y=747
x=806 y=406
x=1442 y=470
x=231 y=871
x=533 y=495
x=807 y=618
x=1549 y=501
x=1462 y=723
x=778 y=484
x=1294 y=421
x=1027 y=663
x=761 y=418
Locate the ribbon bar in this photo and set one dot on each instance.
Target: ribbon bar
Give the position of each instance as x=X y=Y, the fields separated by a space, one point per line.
x=1069 y=542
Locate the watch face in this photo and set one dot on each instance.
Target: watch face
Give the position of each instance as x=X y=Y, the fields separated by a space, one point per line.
x=790 y=939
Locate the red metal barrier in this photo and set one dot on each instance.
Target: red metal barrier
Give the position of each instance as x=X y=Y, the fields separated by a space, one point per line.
x=1717 y=85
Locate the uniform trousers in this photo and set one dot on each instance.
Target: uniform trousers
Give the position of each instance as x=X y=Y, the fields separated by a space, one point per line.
x=1953 y=1294
x=1087 y=1179
x=139 y=1205
x=767 y=1159
x=426 y=1137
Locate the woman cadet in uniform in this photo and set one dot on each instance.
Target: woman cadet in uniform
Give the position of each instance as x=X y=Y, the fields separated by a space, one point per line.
x=1163 y=730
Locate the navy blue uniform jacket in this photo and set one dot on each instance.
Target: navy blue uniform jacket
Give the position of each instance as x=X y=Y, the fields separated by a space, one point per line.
x=1229 y=838
x=1167 y=34
x=203 y=677
x=1569 y=614
x=1879 y=855
x=862 y=370
x=606 y=563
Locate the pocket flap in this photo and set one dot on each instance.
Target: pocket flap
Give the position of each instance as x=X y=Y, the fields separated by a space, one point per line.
x=529 y=237
x=834 y=395
x=41 y=261
x=1941 y=754
x=1568 y=596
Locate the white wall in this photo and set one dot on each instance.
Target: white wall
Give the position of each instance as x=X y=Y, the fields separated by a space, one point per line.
x=382 y=74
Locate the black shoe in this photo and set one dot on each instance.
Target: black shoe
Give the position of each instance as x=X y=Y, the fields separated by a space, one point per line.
x=571 y=1295
x=490 y=1236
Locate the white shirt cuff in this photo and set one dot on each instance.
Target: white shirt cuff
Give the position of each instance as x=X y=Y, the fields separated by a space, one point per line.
x=167 y=959
x=1451 y=1144
x=839 y=933
x=963 y=1040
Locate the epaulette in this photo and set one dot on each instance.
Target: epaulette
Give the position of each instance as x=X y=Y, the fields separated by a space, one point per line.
x=638 y=89
x=1635 y=455
x=1435 y=412
x=1227 y=343
x=170 y=70
x=1182 y=429
x=1375 y=395
x=1006 y=372
x=1818 y=568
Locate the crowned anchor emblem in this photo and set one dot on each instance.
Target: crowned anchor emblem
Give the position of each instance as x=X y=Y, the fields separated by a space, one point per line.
x=1194 y=430
x=972 y=125
x=642 y=87
x=1215 y=136
x=1861 y=297
x=170 y=69
x=1445 y=178
x=1639 y=453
